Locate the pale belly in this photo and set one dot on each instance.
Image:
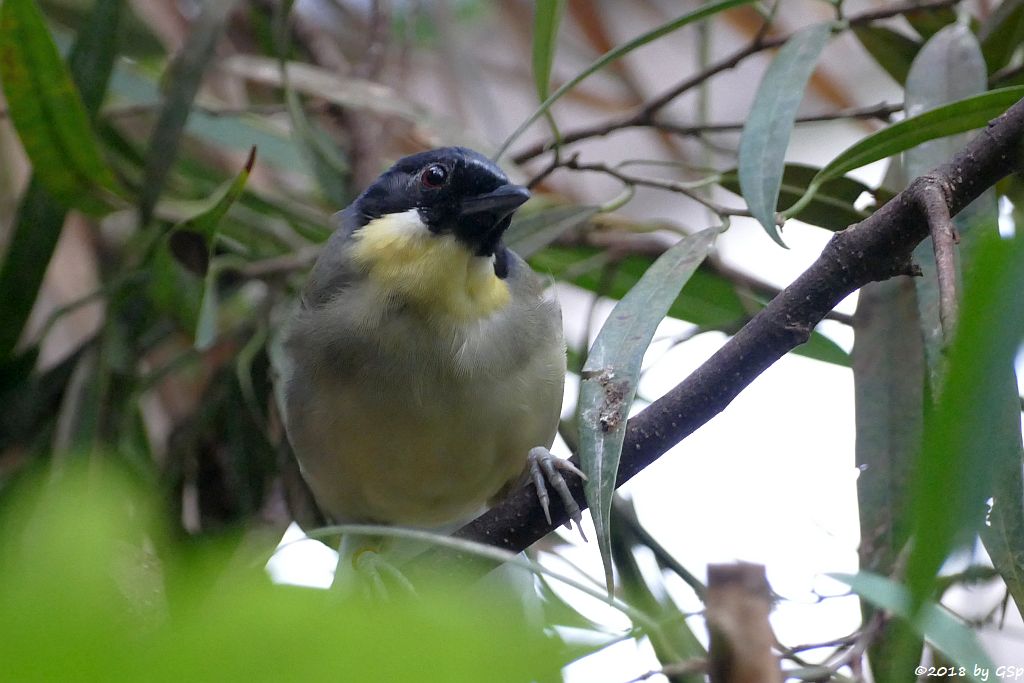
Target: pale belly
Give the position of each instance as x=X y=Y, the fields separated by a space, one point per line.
x=426 y=456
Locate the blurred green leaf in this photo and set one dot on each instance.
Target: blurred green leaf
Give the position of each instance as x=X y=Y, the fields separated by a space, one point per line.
x=619 y=52
x=612 y=369
x=47 y=109
x=928 y=22
x=765 y=137
x=40 y=217
x=526 y=236
x=950 y=636
x=831 y=208
x=964 y=439
x=184 y=76
x=1002 y=33
x=121 y=612
x=893 y=50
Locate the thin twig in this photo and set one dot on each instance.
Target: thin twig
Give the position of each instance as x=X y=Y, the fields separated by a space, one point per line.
x=933 y=202
x=670 y=185
x=882 y=112
x=646 y=114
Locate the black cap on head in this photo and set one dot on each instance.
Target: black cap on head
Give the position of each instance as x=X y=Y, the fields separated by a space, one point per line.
x=455 y=190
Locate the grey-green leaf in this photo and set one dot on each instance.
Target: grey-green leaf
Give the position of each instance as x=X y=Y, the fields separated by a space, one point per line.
x=610 y=375
x=762 y=153
x=950 y=636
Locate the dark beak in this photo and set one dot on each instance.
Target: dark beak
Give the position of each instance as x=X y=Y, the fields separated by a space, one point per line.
x=498 y=203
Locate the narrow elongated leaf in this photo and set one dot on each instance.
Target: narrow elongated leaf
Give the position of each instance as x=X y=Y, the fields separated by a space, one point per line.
x=547 y=16
x=762 y=154
x=186 y=74
x=192 y=240
x=48 y=113
x=621 y=51
x=192 y=243
x=950 y=636
x=893 y=50
x=965 y=440
x=958 y=117
x=612 y=369
x=831 y=208
x=40 y=217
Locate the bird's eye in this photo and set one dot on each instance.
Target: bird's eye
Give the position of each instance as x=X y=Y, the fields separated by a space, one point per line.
x=434 y=175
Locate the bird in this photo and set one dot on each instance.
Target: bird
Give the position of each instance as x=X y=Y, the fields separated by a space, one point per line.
x=426 y=360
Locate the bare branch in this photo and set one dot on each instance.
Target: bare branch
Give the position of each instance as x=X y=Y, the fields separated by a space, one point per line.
x=932 y=200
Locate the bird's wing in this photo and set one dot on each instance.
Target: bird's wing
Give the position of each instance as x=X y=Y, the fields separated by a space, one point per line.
x=333 y=271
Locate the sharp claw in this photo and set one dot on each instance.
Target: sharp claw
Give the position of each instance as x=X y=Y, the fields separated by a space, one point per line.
x=545 y=470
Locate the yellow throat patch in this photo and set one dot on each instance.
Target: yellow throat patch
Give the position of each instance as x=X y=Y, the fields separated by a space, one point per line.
x=436 y=273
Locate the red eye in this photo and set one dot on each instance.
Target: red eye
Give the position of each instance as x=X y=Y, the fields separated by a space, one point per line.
x=434 y=175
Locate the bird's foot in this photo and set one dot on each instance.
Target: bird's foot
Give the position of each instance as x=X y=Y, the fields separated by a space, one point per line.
x=546 y=469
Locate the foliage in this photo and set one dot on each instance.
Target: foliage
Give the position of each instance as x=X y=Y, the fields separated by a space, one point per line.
x=205 y=166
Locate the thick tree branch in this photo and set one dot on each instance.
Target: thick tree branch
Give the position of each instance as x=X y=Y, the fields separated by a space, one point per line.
x=877 y=248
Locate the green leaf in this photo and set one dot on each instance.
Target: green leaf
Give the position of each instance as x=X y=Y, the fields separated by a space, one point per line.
x=1002 y=34
x=614 y=55
x=48 y=113
x=965 y=438
x=831 y=208
x=40 y=217
x=185 y=74
x=949 y=635
x=192 y=240
x=893 y=50
x=526 y=236
x=547 y=16
x=957 y=117
x=765 y=137
x=192 y=243
x=612 y=369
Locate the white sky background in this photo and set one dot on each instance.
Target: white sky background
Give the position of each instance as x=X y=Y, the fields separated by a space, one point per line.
x=772 y=479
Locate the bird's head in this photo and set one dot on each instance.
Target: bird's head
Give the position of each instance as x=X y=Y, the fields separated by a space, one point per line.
x=429 y=231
